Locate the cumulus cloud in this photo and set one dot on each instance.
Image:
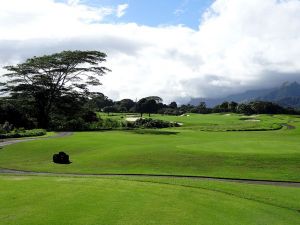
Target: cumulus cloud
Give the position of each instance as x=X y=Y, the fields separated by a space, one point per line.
x=240 y=44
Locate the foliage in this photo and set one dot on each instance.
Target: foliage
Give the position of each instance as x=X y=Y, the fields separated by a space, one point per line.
x=151 y=123
x=18 y=133
x=46 y=79
x=148 y=105
x=14 y=114
x=110 y=109
x=97 y=101
x=125 y=105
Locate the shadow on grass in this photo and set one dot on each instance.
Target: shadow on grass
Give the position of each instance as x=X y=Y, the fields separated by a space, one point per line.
x=154 y=132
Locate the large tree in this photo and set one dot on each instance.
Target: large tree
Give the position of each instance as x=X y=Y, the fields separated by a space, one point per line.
x=148 y=105
x=45 y=79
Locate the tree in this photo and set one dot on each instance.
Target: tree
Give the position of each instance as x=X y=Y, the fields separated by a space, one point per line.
x=173 y=105
x=201 y=108
x=97 y=101
x=148 y=105
x=47 y=78
x=245 y=109
x=157 y=99
x=109 y=109
x=140 y=106
x=125 y=104
x=233 y=106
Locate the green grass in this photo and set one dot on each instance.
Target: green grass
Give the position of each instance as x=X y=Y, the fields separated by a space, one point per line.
x=187 y=150
x=67 y=200
x=217 y=145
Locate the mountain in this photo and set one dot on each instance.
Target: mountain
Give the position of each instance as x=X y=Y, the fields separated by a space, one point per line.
x=287 y=95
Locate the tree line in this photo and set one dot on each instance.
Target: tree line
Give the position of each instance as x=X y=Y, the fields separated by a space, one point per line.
x=154 y=104
x=52 y=92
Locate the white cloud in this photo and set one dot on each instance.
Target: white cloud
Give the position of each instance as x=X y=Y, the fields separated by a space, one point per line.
x=240 y=44
x=121 y=10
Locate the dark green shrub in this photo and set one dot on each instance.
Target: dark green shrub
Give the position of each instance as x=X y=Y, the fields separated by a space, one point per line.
x=24 y=133
x=75 y=125
x=151 y=123
x=90 y=117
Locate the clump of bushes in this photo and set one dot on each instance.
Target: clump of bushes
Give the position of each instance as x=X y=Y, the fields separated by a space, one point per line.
x=6 y=127
x=17 y=133
x=80 y=124
x=151 y=123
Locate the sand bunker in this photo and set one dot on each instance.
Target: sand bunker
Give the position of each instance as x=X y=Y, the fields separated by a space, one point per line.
x=184 y=115
x=253 y=120
x=132 y=119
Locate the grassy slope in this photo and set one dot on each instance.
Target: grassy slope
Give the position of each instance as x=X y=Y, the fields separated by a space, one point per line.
x=156 y=201
x=258 y=155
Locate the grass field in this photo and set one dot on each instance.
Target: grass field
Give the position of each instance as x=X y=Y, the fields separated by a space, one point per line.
x=217 y=145
x=66 y=200
x=186 y=151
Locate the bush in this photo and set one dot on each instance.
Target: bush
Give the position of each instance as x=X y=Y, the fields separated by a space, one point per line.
x=23 y=133
x=151 y=123
x=90 y=117
x=110 y=123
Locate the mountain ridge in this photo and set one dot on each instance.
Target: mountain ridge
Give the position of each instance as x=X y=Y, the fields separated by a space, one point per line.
x=287 y=95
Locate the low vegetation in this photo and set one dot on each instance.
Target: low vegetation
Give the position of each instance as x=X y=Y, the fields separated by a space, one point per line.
x=8 y=131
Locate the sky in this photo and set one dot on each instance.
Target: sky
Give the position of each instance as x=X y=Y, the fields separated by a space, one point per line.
x=176 y=49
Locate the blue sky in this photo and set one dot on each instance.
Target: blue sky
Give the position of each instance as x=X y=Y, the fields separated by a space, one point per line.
x=159 y=12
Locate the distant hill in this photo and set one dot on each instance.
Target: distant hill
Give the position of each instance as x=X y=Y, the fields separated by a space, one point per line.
x=287 y=95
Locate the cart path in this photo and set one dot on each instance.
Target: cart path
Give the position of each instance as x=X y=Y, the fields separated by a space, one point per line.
x=236 y=180
x=5 y=142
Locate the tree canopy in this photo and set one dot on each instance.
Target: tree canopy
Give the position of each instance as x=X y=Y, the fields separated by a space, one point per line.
x=45 y=79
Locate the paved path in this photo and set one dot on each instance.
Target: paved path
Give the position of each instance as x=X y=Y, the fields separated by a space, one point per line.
x=4 y=142
x=246 y=181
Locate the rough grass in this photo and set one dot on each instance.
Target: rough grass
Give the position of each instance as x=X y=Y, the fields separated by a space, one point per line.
x=65 y=200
